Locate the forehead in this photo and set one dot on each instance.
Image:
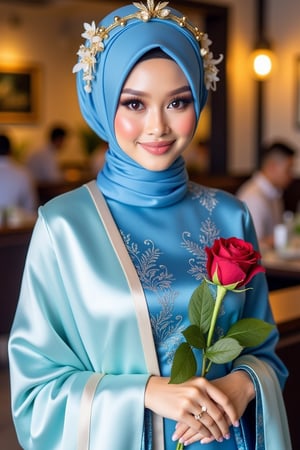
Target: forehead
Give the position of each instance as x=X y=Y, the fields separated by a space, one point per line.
x=156 y=74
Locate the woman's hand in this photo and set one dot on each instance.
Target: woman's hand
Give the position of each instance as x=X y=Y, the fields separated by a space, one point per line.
x=182 y=402
x=225 y=400
x=238 y=387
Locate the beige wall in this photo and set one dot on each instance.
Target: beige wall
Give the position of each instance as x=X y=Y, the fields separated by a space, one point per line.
x=51 y=36
x=284 y=30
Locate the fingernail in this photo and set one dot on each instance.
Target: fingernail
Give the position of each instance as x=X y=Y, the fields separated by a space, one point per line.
x=236 y=424
x=227 y=436
x=207 y=440
x=174 y=437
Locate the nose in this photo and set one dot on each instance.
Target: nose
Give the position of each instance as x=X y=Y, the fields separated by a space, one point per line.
x=157 y=123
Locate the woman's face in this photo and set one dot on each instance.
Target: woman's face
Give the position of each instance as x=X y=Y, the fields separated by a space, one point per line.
x=155 y=118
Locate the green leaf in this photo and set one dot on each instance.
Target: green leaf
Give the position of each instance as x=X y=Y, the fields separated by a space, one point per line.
x=184 y=364
x=223 y=351
x=250 y=332
x=194 y=336
x=201 y=307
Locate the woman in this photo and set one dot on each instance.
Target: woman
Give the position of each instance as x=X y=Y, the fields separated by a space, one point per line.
x=112 y=265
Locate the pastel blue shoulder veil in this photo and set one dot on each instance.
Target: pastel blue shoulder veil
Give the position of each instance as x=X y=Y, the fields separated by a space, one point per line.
x=124 y=47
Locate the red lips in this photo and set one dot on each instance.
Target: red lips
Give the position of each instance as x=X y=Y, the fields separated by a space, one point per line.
x=157 y=147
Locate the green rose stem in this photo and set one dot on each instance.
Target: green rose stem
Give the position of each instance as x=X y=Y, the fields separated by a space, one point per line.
x=221 y=292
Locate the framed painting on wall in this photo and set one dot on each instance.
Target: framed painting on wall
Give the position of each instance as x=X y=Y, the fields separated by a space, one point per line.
x=19 y=93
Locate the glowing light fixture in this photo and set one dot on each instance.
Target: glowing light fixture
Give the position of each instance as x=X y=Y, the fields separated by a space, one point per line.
x=263 y=62
x=262 y=58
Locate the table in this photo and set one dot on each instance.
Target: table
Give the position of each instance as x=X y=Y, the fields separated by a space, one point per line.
x=278 y=265
x=285 y=304
x=281 y=272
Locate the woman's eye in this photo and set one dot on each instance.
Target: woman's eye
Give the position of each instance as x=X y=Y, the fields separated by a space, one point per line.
x=134 y=105
x=180 y=103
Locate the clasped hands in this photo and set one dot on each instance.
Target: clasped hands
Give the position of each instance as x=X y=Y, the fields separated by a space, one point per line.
x=204 y=410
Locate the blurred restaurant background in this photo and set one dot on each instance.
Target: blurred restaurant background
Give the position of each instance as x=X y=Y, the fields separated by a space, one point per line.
x=38 y=45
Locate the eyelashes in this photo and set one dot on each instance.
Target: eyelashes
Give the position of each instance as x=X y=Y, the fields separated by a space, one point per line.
x=181 y=102
x=133 y=103
x=138 y=104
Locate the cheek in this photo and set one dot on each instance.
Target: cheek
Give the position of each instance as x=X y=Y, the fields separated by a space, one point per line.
x=125 y=127
x=186 y=125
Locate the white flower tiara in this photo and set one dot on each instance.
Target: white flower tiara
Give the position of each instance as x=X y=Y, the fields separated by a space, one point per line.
x=96 y=37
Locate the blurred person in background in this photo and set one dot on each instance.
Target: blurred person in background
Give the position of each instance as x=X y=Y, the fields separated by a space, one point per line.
x=263 y=192
x=43 y=163
x=17 y=190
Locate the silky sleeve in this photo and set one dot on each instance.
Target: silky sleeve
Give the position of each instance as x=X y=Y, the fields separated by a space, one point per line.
x=271 y=429
x=50 y=367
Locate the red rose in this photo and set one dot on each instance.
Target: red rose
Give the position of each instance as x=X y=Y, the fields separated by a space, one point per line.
x=232 y=262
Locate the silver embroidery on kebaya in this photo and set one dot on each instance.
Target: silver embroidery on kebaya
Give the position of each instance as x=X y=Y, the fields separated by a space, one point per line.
x=152 y=275
x=155 y=277
x=206 y=197
x=195 y=245
x=167 y=328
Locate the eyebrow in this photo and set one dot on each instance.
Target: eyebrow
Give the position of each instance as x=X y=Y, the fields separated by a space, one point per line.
x=175 y=92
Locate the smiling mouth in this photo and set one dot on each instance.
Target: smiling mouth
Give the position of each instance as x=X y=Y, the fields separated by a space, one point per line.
x=157 y=148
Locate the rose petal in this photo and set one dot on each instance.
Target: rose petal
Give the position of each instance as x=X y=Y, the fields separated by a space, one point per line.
x=233 y=260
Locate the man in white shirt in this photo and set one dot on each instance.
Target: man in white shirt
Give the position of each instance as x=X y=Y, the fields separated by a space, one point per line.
x=16 y=186
x=263 y=192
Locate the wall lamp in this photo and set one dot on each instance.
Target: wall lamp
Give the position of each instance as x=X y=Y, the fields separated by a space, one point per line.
x=262 y=65
x=262 y=58
x=262 y=61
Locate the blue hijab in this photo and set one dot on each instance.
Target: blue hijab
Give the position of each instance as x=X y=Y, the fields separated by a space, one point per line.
x=122 y=178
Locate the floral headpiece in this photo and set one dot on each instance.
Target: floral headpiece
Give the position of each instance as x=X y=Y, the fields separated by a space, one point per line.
x=97 y=35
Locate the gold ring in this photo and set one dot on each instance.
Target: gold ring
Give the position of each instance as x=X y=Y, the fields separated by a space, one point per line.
x=199 y=415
